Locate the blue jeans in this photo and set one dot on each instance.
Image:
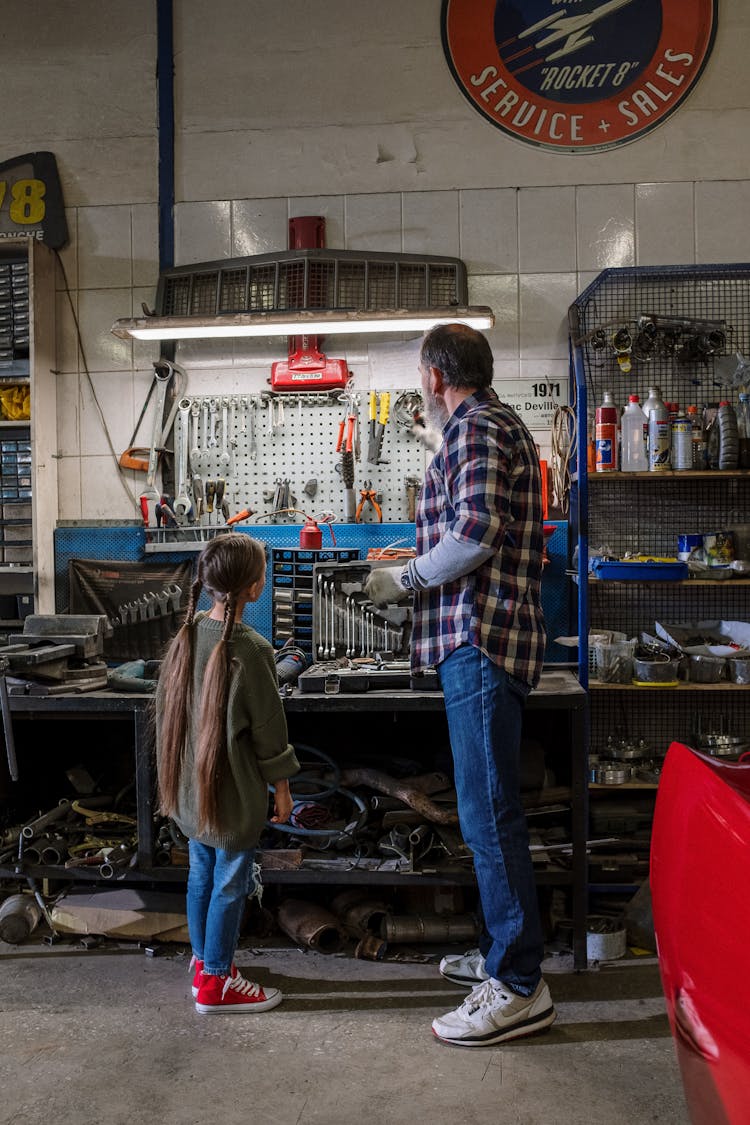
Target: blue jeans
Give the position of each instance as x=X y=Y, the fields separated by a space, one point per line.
x=219 y=883
x=484 y=706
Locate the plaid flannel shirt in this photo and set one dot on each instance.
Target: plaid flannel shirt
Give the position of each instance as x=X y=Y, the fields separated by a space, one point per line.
x=484 y=484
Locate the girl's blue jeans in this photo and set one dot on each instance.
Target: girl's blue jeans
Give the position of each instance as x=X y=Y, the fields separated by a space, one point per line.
x=219 y=883
x=484 y=706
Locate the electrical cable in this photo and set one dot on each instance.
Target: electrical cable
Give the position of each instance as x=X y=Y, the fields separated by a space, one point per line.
x=92 y=388
x=564 y=445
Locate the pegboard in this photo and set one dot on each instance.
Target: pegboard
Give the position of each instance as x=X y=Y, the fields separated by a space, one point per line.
x=256 y=442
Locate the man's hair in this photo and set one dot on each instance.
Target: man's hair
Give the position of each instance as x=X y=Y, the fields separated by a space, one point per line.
x=461 y=353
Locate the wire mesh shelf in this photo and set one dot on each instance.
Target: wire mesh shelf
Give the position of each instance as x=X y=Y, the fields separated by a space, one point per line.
x=686 y=330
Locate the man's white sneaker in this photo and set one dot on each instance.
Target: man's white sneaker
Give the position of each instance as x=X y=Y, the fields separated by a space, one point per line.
x=491 y=1013
x=464 y=968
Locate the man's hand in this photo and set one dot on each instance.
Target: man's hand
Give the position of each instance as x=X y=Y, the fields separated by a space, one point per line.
x=383 y=586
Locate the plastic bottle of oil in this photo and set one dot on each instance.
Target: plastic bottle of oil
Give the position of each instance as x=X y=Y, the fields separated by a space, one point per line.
x=634 y=459
x=659 y=435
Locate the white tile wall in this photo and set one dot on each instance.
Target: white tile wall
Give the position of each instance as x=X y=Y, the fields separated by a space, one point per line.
x=546 y=230
x=544 y=301
x=605 y=224
x=259 y=226
x=105 y=248
x=528 y=252
x=431 y=223
x=202 y=232
x=722 y=229
x=98 y=309
x=489 y=230
x=394 y=164
x=374 y=222
x=145 y=241
x=665 y=224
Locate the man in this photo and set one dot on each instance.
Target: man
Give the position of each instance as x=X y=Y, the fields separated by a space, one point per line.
x=478 y=620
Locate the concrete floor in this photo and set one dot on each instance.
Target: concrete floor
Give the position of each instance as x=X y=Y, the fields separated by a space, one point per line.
x=110 y=1035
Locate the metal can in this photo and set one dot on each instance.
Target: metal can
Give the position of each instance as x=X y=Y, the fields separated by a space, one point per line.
x=659 y=443
x=682 y=443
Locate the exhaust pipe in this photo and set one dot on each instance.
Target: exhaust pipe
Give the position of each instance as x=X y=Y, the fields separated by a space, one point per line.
x=429 y=928
x=310 y=925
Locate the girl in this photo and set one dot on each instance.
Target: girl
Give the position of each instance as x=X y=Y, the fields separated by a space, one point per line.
x=221 y=739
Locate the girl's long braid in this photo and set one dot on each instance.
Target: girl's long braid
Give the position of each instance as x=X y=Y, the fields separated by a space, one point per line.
x=212 y=740
x=176 y=704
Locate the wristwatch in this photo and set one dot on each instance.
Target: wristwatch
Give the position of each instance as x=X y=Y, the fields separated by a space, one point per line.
x=405 y=579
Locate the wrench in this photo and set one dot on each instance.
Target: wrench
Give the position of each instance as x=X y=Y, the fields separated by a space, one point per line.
x=224 y=458
x=174 y=593
x=252 y=441
x=332 y=613
x=213 y=408
x=162 y=379
x=320 y=617
x=195 y=453
x=205 y=452
x=182 y=500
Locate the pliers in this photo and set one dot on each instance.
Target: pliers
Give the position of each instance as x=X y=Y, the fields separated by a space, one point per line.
x=368 y=494
x=379 y=408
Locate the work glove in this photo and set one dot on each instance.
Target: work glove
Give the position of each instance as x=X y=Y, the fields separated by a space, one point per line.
x=383 y=586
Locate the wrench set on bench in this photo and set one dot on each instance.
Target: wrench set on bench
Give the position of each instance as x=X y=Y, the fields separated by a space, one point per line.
x=357 y=647
x=345 y=621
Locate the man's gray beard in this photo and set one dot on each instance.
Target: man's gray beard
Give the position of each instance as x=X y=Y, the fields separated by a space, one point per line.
x=436 y=413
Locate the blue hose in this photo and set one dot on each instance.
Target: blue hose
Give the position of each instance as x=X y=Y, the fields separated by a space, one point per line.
x=290 y=829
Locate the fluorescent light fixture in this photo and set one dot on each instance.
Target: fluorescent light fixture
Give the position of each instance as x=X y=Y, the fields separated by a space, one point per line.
x=302 y=322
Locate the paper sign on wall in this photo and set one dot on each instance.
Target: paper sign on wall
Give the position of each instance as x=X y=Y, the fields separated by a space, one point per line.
x=535 y=400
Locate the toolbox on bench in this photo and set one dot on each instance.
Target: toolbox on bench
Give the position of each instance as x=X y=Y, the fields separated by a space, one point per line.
x=357 y=647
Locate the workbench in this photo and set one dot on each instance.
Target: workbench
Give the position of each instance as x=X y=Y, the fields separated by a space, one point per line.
x=558 y=696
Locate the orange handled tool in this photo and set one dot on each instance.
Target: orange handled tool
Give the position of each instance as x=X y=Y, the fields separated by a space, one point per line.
x=243 y=515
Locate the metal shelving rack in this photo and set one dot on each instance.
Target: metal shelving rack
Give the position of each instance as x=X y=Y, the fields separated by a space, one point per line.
x=645 y=512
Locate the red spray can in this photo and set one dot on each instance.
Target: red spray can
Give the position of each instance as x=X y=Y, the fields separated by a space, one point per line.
x=606 y=420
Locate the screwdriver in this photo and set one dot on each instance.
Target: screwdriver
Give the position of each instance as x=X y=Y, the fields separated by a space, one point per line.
x=198 y=495
x=210 y=494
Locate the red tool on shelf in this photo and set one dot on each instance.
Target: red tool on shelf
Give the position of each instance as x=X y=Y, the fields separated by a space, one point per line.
x=307 y=368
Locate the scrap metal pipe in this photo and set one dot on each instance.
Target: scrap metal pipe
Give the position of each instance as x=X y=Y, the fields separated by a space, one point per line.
x=34 y=827
x=410 y=795
x=54 y=850
x=311 y=925
x=359 y=915
x=429 y=927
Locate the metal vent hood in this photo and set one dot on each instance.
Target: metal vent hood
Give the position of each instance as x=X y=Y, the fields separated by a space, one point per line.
x=308 y=291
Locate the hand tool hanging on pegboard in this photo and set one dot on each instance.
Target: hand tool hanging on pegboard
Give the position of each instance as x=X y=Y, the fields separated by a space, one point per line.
x=379 y=408
x=306 y=367
x=148 y=460
x=346 y=444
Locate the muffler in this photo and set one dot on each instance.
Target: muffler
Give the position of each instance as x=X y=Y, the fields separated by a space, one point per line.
x=310 y=925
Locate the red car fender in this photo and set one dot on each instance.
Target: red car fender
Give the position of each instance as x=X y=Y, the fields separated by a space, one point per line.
x=700 y=863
